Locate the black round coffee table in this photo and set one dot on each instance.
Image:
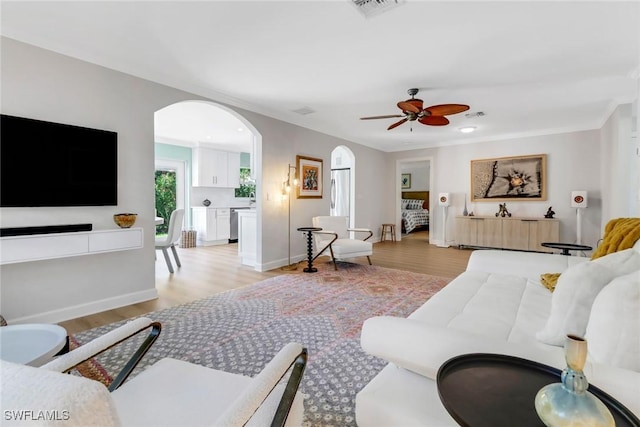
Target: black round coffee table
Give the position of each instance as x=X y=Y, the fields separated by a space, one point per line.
x=495 y=390
x=566 y=247
x=309 y=230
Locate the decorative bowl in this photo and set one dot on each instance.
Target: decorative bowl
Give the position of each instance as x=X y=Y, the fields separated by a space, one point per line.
x=125 y=220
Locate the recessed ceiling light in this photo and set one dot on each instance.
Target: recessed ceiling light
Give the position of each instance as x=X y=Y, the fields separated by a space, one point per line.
x=467 y=129
x=208 y=136
x=239 y=129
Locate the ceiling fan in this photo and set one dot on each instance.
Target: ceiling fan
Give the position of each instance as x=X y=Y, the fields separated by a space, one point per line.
x=412 y=110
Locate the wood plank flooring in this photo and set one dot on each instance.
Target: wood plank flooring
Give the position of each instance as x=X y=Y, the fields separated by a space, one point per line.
x=210 y=270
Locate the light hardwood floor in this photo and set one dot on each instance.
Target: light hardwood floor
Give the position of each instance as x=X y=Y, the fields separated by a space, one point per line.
x=210 y=270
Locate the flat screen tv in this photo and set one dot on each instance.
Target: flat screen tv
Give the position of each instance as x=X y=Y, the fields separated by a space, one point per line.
x=52 y=164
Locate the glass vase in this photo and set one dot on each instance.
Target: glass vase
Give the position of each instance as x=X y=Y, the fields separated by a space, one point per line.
x=568 y=403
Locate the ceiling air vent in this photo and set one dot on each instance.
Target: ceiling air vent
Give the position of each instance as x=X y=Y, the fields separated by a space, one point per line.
x=303 y=111
x=374 y=7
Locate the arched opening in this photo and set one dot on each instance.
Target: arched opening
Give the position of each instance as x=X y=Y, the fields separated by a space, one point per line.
x=342 y=190
x=187 y=127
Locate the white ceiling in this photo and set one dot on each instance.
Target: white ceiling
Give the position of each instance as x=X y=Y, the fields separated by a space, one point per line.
x=532 y=67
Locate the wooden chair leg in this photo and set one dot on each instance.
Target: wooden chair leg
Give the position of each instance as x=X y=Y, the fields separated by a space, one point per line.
x=369 y=260
x=175 y=255
x=167 y=259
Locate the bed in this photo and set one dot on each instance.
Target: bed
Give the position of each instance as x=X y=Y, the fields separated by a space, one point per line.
x=415 y=210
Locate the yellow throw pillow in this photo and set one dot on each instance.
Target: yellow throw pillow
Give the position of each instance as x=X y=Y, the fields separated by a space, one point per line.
x=549 y=280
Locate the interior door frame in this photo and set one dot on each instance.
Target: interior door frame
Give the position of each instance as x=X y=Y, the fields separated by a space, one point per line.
x=432 y=197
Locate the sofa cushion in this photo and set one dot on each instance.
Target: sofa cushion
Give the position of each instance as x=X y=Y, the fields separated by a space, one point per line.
x=522 y=264
x=613 y=332
x=501 y=306
x=576 y=290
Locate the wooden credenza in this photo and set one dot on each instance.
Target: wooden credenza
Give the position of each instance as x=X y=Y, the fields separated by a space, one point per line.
x=524 y=234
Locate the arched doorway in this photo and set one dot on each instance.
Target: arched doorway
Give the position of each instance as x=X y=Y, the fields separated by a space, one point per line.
x=343 y=163
x=185 y=126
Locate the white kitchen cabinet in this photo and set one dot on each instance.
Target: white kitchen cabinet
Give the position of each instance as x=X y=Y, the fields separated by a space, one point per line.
x=212 y=225
x=214 y=168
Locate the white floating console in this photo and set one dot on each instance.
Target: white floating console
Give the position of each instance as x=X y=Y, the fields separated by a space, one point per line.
x=39 y=247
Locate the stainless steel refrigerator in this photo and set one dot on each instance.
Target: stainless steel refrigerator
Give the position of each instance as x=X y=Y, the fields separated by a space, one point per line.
x=340 y=191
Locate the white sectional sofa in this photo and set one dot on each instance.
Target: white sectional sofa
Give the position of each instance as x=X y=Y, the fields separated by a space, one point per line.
x=499 y=306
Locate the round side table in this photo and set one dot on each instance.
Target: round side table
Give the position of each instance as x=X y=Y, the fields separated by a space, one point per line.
x=31 y=344
x=566 y=247
x=309 y=230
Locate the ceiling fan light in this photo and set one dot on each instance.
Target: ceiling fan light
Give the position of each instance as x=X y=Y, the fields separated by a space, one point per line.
x=467 y=129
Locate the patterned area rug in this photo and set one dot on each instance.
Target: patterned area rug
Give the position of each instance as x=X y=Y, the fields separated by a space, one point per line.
x=239 y=331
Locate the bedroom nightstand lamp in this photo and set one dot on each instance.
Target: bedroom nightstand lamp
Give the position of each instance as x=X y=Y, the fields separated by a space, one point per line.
x=579 y=201
x=444 y=201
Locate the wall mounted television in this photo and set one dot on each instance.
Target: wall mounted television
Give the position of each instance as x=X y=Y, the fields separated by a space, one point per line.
x=53 y=164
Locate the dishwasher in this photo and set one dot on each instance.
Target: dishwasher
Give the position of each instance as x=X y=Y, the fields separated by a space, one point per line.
x=233 y=236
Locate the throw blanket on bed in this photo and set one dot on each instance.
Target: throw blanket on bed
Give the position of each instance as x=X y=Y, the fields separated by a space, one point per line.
x=414 y=218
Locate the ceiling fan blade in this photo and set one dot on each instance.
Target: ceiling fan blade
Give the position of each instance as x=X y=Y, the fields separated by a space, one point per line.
x=381 y=117
x=408 y=107
x=446 y=109
x=396 y=124
x=434 y=120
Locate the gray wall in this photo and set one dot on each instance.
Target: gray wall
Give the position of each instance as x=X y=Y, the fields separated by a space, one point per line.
x=44 y=85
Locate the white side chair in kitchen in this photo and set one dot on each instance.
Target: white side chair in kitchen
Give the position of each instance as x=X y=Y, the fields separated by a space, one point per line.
x=173 y=235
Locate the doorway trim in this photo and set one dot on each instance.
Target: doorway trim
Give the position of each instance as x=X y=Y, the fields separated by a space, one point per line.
x=398 y=198
x=352 y=180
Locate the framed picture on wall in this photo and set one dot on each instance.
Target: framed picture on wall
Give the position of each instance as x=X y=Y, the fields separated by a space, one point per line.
x=519 y=178
x=406 y=180
x=309 y=172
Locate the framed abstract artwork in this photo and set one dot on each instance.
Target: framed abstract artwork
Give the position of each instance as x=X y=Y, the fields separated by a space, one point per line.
x=406 y=180
x=519 y=178
x=309 y=172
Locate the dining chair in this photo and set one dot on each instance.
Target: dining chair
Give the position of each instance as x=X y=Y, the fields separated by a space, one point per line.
x=173 y=235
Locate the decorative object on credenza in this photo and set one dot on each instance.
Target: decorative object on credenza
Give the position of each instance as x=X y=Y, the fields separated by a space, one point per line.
x=464 y=211
x=125 y=220
x=550 y=213
x=502 y=210
x=471 y=213
x=569 y=402
x=309 y=173
x=509 y=178
x=206 y=202
x=579 y=201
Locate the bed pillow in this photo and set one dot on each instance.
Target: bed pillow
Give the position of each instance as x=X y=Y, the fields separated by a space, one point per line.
x=414 y=204
x=576 y=290
x=613 y=332
x=404 y=203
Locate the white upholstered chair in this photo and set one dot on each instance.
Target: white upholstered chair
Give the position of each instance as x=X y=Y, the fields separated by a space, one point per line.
x=168 y=393
x=335 y=237
x=173 y=235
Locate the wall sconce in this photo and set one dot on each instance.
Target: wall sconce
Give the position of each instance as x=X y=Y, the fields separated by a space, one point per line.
x=286 y=192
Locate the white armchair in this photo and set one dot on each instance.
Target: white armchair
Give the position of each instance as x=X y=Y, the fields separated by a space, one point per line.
x=335 y=237
x=168 y=393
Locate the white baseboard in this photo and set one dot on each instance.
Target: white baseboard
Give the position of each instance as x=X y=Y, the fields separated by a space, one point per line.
x=67 y=313
x=279 y=263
